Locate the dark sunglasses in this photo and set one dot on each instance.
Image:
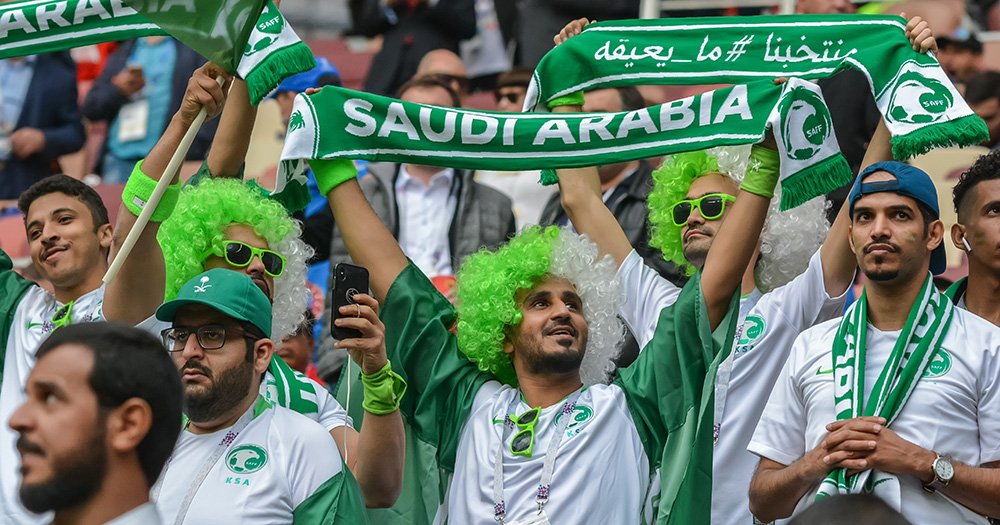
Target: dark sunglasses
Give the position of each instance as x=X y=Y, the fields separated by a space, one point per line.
x=524 y=441
x=710 y=206
x=240 y=254
x=463 y=82
x=509 y=97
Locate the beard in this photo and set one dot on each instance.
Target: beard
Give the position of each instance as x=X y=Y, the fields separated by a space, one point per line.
x=538 y=361
x=878 y=275
x=75 y=479
x=226 y=392
x=875 y=273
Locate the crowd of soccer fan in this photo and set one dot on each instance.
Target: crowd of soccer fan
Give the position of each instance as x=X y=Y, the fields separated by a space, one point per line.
x=505 y=395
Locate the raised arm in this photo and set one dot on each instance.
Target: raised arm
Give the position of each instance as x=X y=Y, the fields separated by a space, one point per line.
x=368 y=241
x=232 y=140
x=138 y=289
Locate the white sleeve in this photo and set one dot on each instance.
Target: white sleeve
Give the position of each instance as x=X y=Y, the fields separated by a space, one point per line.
x=312 y=456
x=989 y=401
x=331 y=413
x=646 y=293
x=804 y=301
x=780 y=434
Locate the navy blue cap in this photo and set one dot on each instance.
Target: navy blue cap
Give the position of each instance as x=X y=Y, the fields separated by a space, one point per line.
x=911 y=182
x=308 y=79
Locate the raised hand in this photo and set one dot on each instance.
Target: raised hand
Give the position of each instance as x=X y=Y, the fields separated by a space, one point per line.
x=572 y=29
x=368 y=351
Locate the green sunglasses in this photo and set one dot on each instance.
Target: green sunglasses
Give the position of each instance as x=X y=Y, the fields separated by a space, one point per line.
x=524 y=441
x=710 y=206
x=240 y=254
x=63 y=316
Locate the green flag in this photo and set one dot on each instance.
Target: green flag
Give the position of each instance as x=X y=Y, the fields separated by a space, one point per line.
x=248 y=38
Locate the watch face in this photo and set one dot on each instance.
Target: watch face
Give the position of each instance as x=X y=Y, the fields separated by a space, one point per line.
x=943 y=469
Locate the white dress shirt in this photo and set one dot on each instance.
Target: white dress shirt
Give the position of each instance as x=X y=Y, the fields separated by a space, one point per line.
x=425 y=213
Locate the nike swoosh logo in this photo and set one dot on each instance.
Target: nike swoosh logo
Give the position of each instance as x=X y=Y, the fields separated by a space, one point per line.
x=820 y=371
x=32 y=325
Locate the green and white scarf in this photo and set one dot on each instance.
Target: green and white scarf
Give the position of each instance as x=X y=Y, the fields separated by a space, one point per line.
x=920 y=105
x=341 y=123
x=291 y=389
x=271 y=50
x=915 y=348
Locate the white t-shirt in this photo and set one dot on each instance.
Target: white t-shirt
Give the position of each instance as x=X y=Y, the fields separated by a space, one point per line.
x=272 y=466
x=767 y=327
x=954 y=409
x=600 y=456
x=31 y=325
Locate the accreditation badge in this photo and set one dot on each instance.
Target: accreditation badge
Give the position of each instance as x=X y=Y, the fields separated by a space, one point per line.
x=133 y=120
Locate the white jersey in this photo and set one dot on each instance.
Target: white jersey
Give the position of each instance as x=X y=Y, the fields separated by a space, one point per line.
x=767 y=327
x=31 y=325
x=954 y=409
x=277 y=462
x=599 y=456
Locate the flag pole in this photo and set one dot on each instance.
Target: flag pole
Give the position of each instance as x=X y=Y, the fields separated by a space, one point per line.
x=161 y=186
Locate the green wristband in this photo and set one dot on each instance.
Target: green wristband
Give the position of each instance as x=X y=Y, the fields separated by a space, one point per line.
x=383 y=391
x=331 y=173
x=762 y=172
x=139 y=189
x=572 y=99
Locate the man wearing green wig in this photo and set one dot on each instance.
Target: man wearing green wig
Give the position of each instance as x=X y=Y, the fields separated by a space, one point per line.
x=512 y=401
x=223 y=223
x=791 y=284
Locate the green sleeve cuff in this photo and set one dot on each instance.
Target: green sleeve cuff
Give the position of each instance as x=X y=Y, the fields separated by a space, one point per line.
x=331 y=173
x=573 y=99
x=383 y=390
x=139 y=189
x=762 y=172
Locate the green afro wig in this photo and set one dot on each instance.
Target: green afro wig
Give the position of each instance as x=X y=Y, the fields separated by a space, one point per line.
x=489 y=281
x=196 y=226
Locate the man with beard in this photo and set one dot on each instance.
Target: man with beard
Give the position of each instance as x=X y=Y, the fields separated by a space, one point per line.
x=977 y=232
x=71 y=238
x=240 y=458
x=899 y=397
x=102 y=413
x=513 y=401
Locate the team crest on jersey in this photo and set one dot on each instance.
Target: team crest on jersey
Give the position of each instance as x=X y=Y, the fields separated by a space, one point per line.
x=246 y=459
x=750 y=333
x=581 y=415
x=940 y=364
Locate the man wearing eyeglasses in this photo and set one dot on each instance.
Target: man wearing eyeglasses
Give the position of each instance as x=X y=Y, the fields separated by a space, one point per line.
x=241 y=458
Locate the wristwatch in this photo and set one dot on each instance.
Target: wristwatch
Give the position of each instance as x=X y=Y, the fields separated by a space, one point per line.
x=943 y=472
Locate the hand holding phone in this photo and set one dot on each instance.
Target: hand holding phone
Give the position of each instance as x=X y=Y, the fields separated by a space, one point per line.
x=349 y=280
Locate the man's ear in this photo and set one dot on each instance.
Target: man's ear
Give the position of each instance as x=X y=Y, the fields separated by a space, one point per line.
x=105 y=235
x=957 y=234
x=935 y=234
x=263 y=350
x=128 y=424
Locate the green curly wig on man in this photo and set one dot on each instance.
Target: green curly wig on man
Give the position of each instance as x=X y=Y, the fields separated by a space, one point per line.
x=196 y=226
x=488 y=283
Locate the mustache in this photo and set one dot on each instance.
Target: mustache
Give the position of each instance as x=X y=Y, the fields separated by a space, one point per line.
x=24 y=446
x=197 y=366
x=893 y=247
x=557 y=325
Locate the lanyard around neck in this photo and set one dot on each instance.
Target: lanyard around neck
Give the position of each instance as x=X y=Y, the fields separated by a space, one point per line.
x=227 y=440
x=542 y=496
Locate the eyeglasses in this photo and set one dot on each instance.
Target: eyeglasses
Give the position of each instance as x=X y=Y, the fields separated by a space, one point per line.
x=463 y=82
x=710 y=206
x=509 y=97
x=240 y=254
x=524 y=441
x=210 y=336
x=63 y=316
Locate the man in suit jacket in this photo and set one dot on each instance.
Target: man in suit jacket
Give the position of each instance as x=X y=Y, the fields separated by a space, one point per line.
x=439 y=215
x=39 y=120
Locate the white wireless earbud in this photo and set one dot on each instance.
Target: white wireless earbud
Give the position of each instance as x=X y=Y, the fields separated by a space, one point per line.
x=966 y=243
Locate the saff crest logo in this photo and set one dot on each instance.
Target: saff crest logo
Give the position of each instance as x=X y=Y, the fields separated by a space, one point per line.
x=752 y=330
x=581 y=415
x=806 y=123
x=917 y=99
x=940 y=364
x=268 y=30
x=246 y=459
x=297 y=121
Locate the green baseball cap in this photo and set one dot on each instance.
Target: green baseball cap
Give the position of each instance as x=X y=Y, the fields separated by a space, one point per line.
x=232 y=293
